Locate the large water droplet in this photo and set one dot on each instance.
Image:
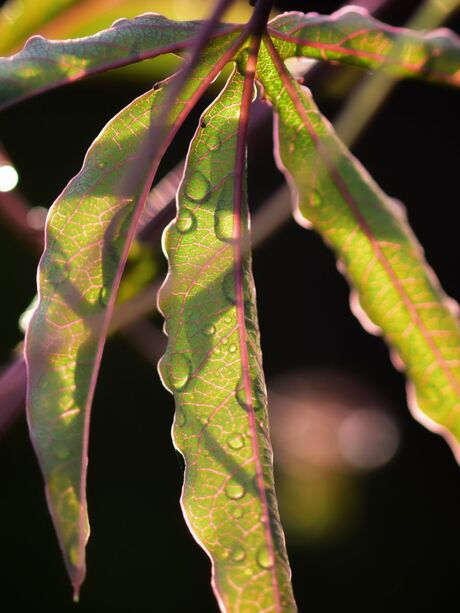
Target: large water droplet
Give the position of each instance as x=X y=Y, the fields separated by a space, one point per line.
x=198 y=188
x=213 y=141
x=223 y=224
x=235 y=441
x=209 y=330
x=179 y=371
x=263 y=558
x=238 y=554
x=104 y=296
x=234 y=490
x=258 y=396
x=58 y=272
x=232 y=348
x=228 y=287
x=185 y=221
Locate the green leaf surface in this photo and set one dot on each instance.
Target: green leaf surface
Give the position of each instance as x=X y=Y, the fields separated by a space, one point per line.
x=352 y=36
x=222 y=431
x=397 y=293
x=45 y=64
x=88 y=233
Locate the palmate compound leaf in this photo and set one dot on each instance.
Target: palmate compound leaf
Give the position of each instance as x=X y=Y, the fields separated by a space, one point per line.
x=352 y=36
x=44 y=64
x=213 y=358
x=88 y=233
x=397 y=293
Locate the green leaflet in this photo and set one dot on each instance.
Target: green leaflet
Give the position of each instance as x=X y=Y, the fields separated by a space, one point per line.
x=369 y=233
x=89 y=230
x=45 y=64
x=228 y=496
x=352 y=36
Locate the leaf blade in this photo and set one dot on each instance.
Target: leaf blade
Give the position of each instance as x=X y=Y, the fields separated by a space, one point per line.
x=88 y=233
x=45 y=64
x=397 y=290
x=220 y=427
x=352 y=36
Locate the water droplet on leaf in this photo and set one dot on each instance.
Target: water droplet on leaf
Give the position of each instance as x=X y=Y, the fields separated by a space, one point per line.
x=228 y=288
x=263 y=558
x=232 y=348
x=209 y=330
x=198 y=188
x=238 y=554
x=235 y=441
x=234 y=491
x=223 y=224
x=179 y=370
x=185 y=221
x=258 y=395
x=104 y=296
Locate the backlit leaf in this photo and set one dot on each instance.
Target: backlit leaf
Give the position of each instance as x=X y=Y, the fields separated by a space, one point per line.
x=45 y=64
x=213 y=365
x=352 y=36
x=397 y=292
x=89 y=230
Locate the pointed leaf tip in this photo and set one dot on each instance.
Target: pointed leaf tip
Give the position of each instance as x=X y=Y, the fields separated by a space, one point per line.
x=88 y=233
x=213 y=367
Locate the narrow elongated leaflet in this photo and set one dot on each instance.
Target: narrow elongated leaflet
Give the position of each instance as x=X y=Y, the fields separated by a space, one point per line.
x=228 y=495
x=369 y=233
x=45 y=64
x=352 y=36
x=88 y=233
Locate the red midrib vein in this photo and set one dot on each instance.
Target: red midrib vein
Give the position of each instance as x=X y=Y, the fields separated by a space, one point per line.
x=348 y=198
x=239 y=299
x=385 y=60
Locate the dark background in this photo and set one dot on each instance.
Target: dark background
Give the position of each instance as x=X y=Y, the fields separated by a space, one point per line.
x=140 y=555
